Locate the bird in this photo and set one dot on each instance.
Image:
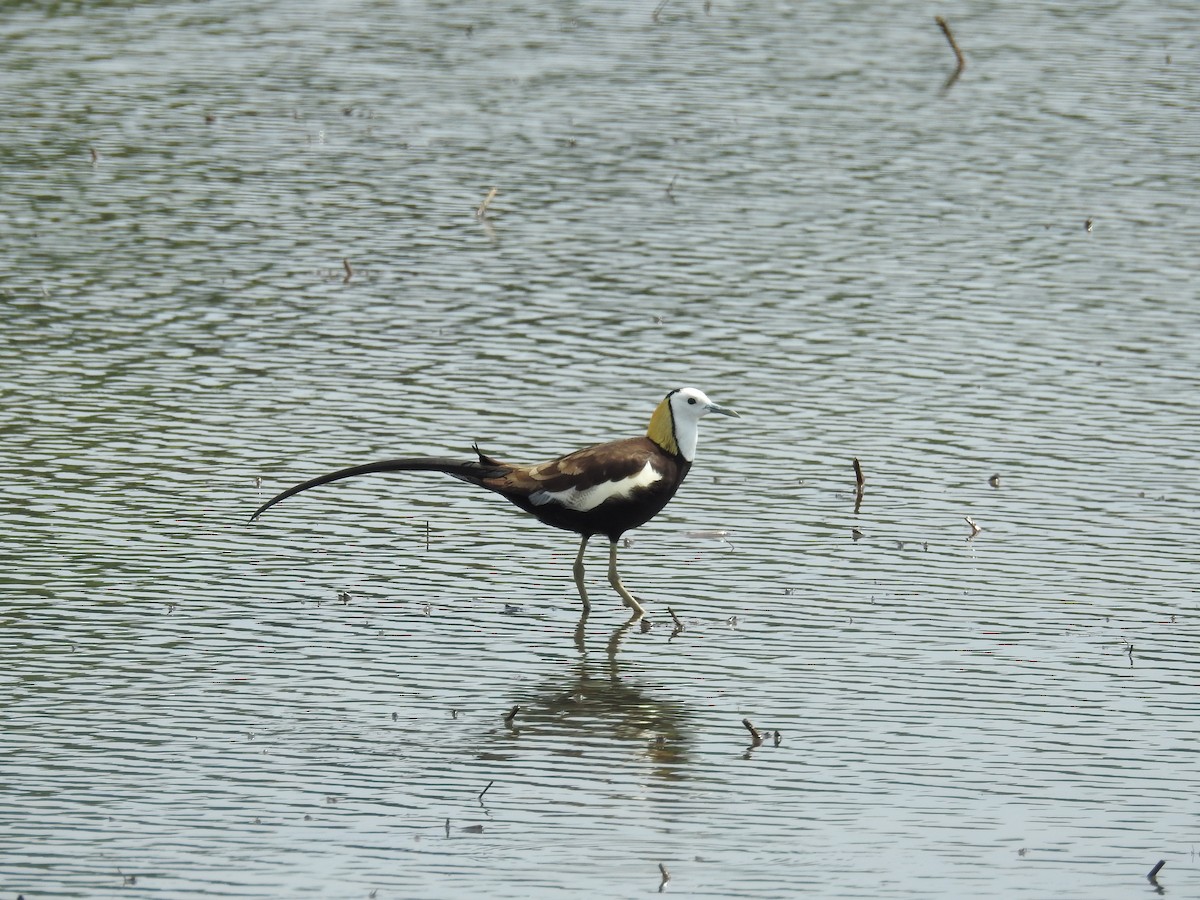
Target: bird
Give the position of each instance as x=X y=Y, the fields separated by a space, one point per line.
x=606 y=489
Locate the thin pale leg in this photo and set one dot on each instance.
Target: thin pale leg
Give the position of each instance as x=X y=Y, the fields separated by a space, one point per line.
x=615 y=580
x=578 y=570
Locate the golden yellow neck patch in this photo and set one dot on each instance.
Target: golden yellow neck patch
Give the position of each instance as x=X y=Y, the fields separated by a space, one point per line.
x=662 y=427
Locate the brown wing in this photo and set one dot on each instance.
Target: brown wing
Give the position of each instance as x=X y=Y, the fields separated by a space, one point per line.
x=528 y=486
x=581 y=469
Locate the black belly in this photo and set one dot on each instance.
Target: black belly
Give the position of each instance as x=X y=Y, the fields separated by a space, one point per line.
x=612 y=518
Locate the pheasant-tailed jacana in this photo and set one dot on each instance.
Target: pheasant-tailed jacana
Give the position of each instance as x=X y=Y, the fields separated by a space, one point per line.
x=607 y=489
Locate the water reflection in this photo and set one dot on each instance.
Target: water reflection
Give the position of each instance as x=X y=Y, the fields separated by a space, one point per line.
x=594 y=702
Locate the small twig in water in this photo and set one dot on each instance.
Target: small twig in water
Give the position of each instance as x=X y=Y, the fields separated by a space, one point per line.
x=958 y=54
x=426 y=535
x=749 y=726
x=666 y=876
x=511 y=715
x=349 y=271
x=487 y=201
x=859 y=478
x=658 y=9
x=486 y=789
x=1153 y=873
x=675 y=618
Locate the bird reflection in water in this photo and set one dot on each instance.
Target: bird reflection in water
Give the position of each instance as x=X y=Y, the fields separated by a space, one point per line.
x=592 y=701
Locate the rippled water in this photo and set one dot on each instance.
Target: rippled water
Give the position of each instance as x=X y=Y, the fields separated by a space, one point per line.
x=783 y=205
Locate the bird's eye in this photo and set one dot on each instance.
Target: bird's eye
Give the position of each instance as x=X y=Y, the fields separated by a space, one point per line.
x=692 y=401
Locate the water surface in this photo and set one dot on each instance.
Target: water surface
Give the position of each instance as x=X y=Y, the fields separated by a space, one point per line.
x=782 y=205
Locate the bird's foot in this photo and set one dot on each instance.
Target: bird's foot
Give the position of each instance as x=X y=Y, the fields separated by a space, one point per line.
x=638 y=618
x=632 y=603
x=636 y=608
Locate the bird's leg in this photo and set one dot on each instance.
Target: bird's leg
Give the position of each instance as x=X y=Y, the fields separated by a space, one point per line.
x=578 y=570
x=615 y=580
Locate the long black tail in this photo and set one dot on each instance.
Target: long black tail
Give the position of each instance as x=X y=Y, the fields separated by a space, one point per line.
x=467 y=470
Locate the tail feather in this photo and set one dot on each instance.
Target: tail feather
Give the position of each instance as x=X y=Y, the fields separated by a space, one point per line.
x=466 y=470
x=485 y=459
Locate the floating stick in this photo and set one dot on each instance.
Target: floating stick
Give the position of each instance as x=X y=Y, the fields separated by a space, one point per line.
x=749 y=726
x=859 y=478
x=486 y=789
x=678 y=624
x=1153 y=874
x=487 y=201
x=958 y=54
x=349 y=271
x=511 y=715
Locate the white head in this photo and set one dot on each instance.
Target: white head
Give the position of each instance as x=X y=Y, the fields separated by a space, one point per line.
x=675 y=425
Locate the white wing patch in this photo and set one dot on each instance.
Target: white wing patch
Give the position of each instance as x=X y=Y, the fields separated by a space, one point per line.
x=590 y=498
